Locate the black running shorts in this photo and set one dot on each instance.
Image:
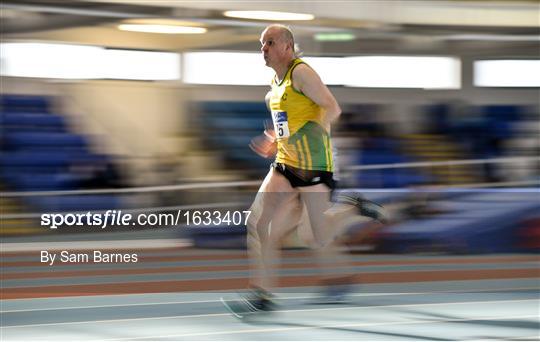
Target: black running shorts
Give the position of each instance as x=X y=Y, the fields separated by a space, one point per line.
x=300 y=177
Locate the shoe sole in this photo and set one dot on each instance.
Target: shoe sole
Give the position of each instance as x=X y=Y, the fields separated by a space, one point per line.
x=232 y=308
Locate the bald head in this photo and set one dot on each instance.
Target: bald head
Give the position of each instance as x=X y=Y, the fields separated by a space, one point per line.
x=278 y=48
x=285 y=35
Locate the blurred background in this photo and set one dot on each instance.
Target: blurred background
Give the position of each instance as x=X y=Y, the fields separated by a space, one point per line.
x=149 y=106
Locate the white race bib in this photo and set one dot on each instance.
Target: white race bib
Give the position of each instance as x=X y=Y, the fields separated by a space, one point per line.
x=281 y=124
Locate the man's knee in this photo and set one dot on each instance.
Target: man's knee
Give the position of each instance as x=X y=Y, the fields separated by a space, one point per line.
x=257 y=229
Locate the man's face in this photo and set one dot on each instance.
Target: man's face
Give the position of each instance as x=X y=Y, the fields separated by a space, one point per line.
x=273 y=46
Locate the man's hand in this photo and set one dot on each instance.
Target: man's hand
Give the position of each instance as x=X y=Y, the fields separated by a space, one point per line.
x=270 y=134
x=265 y=144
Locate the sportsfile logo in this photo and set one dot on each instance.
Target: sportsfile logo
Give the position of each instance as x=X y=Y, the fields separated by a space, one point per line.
x=111 y=217
x=118 y=218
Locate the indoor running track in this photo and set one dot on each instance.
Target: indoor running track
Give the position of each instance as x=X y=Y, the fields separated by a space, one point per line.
x=174 y=294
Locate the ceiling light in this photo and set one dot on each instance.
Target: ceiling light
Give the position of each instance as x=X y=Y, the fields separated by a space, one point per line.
x=268 y=15
x=334 y=37
x=167 y=29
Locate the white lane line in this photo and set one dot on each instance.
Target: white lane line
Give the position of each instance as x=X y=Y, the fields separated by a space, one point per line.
x=327 y=326
x=280 y=298
x=277 y=311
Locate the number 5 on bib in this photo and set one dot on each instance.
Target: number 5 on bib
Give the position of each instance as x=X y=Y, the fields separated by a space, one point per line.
x=281 y=124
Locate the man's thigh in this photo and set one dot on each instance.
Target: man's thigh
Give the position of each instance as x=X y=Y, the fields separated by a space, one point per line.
x=316 y=200
x=275 y=201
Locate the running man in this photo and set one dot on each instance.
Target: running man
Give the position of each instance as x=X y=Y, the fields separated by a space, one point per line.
x=301 y=177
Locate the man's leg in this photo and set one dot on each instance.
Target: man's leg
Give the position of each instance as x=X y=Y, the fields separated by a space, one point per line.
x=324 y=221
x=267 y=222
x=321 y=233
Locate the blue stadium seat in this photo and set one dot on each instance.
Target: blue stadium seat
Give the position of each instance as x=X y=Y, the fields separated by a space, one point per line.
x=42 y=181
x=475 y=224
x=25 y=103
x=236 y=123
x=504 y=112
x=22 y=140
x=32 y=121
x=32 y=158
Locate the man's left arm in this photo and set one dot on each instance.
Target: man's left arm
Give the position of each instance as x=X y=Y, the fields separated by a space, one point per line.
x=310 y=84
